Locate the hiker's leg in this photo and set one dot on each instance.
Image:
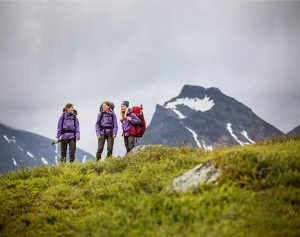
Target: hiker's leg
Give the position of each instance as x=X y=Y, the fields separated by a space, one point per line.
x=63 y=150
x=126 y=142
x=72 y=149
x=110 y=145
x=101 y=142
x=131 y=142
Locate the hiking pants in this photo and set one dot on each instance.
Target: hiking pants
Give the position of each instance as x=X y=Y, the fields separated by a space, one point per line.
x=129 y=142
x=72 y=149
x=101 y=142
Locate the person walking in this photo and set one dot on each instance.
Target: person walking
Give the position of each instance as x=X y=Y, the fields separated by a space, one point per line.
x=68 y=132
x=106 y=129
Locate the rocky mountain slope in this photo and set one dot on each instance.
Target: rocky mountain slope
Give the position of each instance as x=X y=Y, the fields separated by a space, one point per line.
x=207 y=118
x=21 y=148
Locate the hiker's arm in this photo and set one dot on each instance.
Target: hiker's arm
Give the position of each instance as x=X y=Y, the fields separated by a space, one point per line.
x=77 y=129
x=135 y=119
x=97 y=126
x=115 y=131
x=59 y=126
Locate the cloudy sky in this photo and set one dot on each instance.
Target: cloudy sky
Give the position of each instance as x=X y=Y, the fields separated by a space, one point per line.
x=55 y=52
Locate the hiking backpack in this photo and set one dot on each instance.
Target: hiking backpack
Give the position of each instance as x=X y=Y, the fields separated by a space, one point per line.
x=139 y=129
x=63 y=131
x=111 y=107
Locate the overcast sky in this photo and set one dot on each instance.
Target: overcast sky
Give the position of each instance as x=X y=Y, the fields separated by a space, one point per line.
x=54 y=52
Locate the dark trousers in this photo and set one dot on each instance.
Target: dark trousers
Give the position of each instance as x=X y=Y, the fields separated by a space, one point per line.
x=129 y=142
x=101 y=142
x=72 y=149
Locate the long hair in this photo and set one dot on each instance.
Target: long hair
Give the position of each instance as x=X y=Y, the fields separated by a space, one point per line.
x=67 y=106
x=124 y=114
x=110 y=105
x=107 y=103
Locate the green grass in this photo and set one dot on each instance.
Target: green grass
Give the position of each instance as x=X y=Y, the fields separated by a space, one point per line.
x=258 y=194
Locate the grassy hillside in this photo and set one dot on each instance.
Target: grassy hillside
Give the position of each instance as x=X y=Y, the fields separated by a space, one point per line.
x=258 y=194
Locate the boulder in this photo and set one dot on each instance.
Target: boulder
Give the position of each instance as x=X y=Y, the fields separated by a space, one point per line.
x=137 y=149
x=203 y=173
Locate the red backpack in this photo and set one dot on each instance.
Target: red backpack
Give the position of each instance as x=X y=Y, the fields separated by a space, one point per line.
x=139 y=129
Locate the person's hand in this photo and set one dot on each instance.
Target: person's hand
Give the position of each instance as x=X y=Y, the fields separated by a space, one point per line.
x=114 y=136
x=128 y=118
x=55 y=141
x=99 y=136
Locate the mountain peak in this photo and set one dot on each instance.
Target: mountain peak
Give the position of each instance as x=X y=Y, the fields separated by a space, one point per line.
x=206 y=118
x=294 y=132
x=191 y=91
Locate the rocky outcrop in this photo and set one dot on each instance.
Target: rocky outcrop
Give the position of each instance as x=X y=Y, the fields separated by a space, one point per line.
x=203 y=173
x=137 y=149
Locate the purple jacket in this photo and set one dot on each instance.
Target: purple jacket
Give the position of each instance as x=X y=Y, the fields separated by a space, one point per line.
x=127 y=125
x=67 y=128
x=108 y=123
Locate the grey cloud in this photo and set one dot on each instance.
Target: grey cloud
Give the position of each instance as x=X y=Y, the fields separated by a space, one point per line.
x=85 y=52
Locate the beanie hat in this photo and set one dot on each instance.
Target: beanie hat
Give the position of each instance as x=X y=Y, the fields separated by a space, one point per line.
x=126 y=103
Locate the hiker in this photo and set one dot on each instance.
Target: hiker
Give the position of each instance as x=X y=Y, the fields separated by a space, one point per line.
x=128 y=120
x=106 y=128
x=68 y=132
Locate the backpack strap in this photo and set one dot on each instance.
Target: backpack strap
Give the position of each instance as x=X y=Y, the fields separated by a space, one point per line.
x=101 y=117
x=62 y=123
x=100 y=126
x=75 y=126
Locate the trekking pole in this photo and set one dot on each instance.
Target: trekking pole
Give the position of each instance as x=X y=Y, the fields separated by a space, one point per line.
x=57 y=141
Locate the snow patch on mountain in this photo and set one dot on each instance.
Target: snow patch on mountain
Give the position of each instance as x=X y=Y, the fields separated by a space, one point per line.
x=194 y=136
x=84 y=159
x=44 y=160
x=9 y=140
x=29 y=154
x=6 y=138
x=20 y=148
x=196 y=104
x=244 y=133
x=56 y=155
x=180 y=115
x=15 y=163
x=207 y=148
x=229 y=128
